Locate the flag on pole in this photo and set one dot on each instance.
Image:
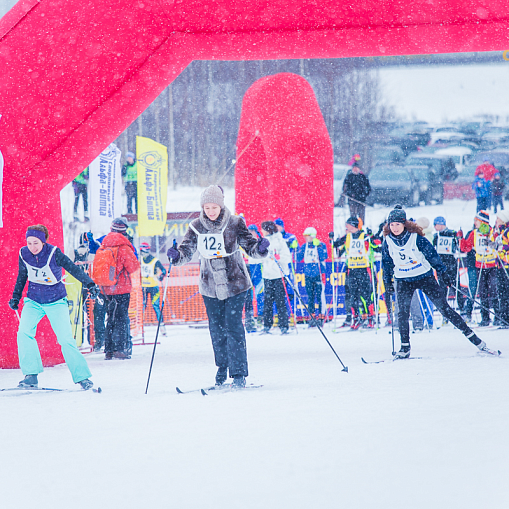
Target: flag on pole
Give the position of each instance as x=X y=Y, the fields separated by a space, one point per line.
x=152 y=160
x=105 y=181
x=74 y=300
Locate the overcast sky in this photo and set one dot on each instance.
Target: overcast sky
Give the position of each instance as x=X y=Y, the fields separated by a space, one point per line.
x=438 y=94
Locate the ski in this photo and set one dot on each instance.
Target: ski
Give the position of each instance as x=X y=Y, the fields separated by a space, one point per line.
x=49 y=389
x=390 y=360
x=216 y=388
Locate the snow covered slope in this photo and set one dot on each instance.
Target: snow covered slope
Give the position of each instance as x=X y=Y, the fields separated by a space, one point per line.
x=417 y=434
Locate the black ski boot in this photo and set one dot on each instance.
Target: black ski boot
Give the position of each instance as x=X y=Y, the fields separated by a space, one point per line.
x=29 y=381
x=221 y=376
x=239 y=382
x=86 y=384
x=404 y=352
x=284 y=330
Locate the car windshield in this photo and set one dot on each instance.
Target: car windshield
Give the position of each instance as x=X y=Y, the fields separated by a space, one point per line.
x=429 y=161
x=388 y=174
x=385 y=154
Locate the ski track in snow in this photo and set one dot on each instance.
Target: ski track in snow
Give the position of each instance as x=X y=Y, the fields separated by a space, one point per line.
x=420 y=434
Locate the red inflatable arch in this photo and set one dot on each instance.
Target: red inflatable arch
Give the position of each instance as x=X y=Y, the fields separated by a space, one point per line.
x=286 y=169
x=75 y=74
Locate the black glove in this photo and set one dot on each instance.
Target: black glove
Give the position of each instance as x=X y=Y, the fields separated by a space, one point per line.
x=263 y=246
x=447 y=279
x=93 y=291
x=173 y=254
x=14 y=304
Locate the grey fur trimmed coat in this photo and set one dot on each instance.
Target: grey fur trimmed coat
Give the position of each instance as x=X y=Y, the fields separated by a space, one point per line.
x=221 y=278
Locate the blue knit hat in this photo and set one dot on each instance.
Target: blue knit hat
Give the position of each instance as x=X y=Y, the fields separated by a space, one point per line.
x=440 y=220
x=279 y=222
x=254 y=228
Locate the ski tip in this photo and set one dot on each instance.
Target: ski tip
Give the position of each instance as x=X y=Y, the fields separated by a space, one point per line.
x=203 y=392
x=362 y=359
x=499 y=353
x=98 y=390
x=178 y=390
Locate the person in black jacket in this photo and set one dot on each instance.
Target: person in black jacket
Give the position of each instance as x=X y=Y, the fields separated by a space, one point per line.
x=356 y=188
x=409 y=258
x=41 y=264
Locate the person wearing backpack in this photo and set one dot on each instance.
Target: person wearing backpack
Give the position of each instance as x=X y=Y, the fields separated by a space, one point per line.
x=114 y=262
x=41 y=264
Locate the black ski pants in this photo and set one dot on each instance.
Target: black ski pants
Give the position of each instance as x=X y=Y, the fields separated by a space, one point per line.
x=404 y=292
x=357 y=209
x=99 y=320
x=118 y=334
x=131 y=190
x=227 y=332
x=360 y=290
x=314 y=291
x=487 y=291
x=274 y=291
x=80 y=189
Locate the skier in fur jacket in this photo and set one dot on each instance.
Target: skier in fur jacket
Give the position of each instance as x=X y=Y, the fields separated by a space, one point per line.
x=224 y=278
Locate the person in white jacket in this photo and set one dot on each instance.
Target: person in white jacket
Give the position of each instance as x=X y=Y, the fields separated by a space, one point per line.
x=274 y=290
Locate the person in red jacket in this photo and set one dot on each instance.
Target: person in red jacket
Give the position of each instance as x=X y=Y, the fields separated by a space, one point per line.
x=117 y=334
x=480 y=240
x=487 y=169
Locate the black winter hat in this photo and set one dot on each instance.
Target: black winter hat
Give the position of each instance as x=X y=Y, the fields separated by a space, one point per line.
x=397 y=215
x=270 y=227
x=354 y=221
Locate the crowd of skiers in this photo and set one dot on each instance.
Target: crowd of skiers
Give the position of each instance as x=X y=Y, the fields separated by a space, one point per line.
x=410 y=262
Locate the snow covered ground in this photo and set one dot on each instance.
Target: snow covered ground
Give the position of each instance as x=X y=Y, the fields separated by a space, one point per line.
x=406 y=434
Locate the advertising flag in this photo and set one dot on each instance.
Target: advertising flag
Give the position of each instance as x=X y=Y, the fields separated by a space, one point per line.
x=105 y=181
x=152 y=160
x=74 y=300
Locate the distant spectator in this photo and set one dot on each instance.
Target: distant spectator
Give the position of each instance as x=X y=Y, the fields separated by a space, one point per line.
x=130 y=174
x=356 y=188
x=482 y=189
x=487 y=169
x=80 y=187
x=497 y=190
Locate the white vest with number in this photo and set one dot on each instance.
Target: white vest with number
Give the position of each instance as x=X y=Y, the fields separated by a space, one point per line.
x=408 y=260
x=43 y=275
x=444 y=245
x=211 y=245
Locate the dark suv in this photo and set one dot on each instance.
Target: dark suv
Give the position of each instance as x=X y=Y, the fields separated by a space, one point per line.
x=431 y=170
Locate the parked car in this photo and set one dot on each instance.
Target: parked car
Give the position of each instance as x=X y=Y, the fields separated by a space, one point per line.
x=389 y=154
x=459 y=154
x=440 y=169
x=393 y=184
x=340 y=171
x=461 y=186
x=446 y=135
x=431 y=187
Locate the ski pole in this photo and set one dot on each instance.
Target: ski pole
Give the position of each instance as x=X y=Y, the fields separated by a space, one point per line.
x=334 y=301
x=391 y=300
x=345 y=368
x=481 y=306
x=160 y=317
x=17 y=314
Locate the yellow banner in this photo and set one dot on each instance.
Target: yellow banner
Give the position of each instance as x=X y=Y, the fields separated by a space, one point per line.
x=152 y=160
x=75 y=302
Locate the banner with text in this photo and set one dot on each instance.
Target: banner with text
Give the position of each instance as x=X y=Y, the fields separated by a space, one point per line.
x=152 y=160
x=105 y=183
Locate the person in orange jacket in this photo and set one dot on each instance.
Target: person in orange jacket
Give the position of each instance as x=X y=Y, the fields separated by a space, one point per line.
x=117 y=336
